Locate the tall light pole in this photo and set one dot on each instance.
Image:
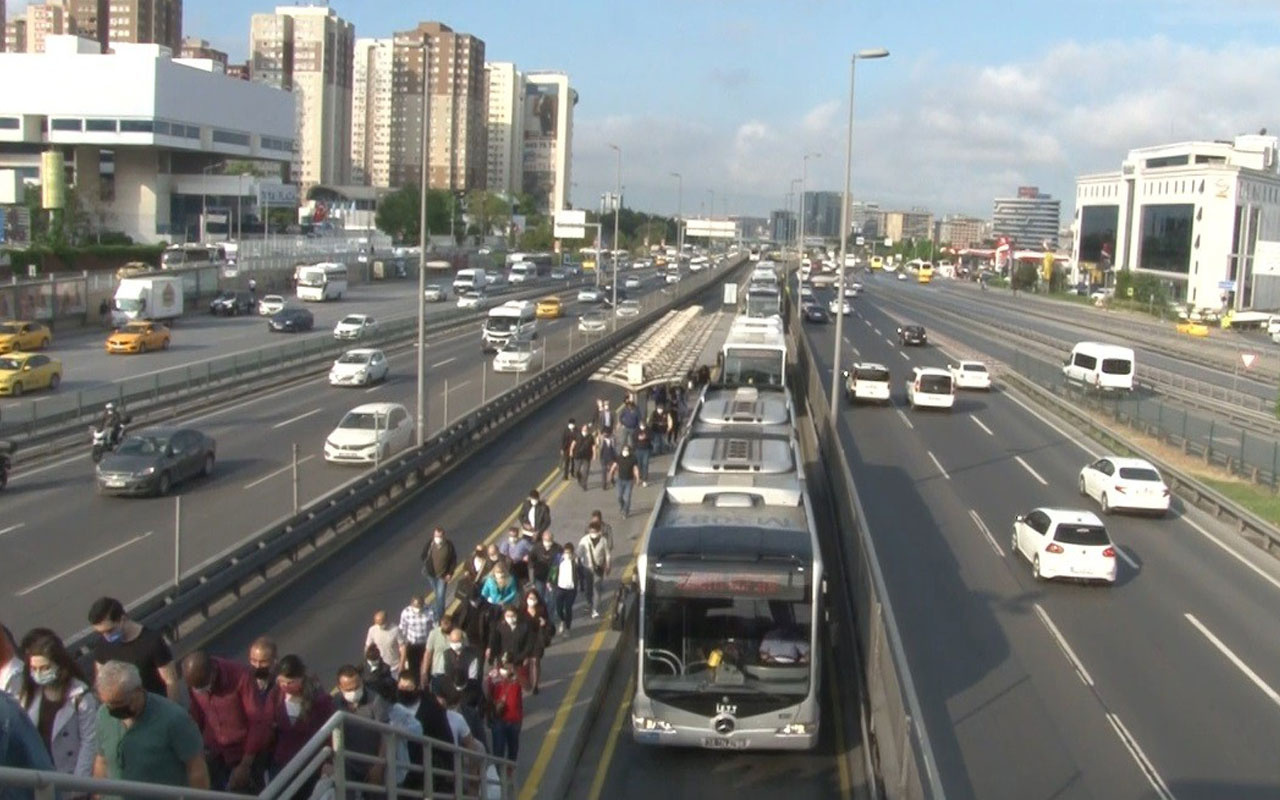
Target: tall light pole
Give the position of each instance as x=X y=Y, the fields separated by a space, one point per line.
x=617 y=212
x=878 y=52
x=804 y=176
x=204 y=199
x=679 y=212
x=791 y=229
x=422 y=260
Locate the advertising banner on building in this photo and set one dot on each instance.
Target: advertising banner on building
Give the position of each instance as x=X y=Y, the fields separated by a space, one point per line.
x=541 y=134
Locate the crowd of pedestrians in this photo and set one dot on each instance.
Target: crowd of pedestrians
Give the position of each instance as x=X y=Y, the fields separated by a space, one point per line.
x=456 y=664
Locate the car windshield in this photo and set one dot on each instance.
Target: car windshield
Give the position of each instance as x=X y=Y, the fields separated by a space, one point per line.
x=518 y=347
x=354 y=358
x=10 y=328
x=1068 y=533
x=273 y=298
x=134 y=327
x=10 y=364
x=629 y=304
x=1139 y=474
x=363 y=421
x=594 y=316
x=142 y=446
x=352 y=320
x=128 y=304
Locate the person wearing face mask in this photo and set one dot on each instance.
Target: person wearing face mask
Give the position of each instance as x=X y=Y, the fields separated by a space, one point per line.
x=416 y=624
x=125 y=640
x=659 y=422
x=376 y=674
x=596 y=557
x=433 y=659
x=505 y=700
x=462 y=679
x=565 y=578
x=302 y=707
x=582 y=450
x=10 y=664
x=353 y=697
x=643 y=449
x=626 y=471
x=262 y=663
x=439 y=562
x=56 y=696
x=511 y=638
x=607 y=455
x=629 y=419
x=222 y=705
x=540 y=560
x=389 y=640
x=143 y=736
x=516 y=549
x=433 y=722
x=533 y=613
x=499 y=588
x=567 y=439
x=535 y=515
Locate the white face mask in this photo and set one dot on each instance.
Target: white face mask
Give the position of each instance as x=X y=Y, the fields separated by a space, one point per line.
x=532 y=601
x=511 y=621
x=455 y=646
x=351 y=697
x=45 y=677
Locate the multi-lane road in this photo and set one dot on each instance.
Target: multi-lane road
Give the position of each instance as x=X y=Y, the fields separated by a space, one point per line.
x=61 y=544
x=1163 y=685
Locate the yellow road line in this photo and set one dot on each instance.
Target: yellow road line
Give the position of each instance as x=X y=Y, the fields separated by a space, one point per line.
x=846 y=779
x=606 y=758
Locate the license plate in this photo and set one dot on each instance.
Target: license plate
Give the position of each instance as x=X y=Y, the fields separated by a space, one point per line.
x=1081 y=571
x=724 y=743
x=114 y=484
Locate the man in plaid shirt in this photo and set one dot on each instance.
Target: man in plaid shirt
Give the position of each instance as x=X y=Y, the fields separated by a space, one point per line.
x=416 y=622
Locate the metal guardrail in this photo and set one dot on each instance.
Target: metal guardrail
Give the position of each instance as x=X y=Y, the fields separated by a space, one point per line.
x=898 y=744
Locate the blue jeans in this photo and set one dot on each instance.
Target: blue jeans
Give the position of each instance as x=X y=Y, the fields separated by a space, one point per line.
x=564 y=599
x=625 y=486
x=506 y=738
x=642 y=460
x=439 y=586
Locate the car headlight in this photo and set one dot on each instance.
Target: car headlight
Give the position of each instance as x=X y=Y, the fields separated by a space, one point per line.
x=651 y=724
x=148 y=471
x=797 y=729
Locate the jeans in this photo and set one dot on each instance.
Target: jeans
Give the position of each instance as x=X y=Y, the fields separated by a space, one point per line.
x=564 y=600
x=439 y=586
x=582 y=470
x=506 y=738
x=642 y=458
x=625 y=486
x=628 y=436
x=544 y=591
x=591 y=588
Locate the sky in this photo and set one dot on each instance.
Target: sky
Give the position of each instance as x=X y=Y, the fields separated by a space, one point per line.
x=976 y=98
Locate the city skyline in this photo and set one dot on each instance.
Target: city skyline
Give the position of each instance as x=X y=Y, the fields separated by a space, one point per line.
x=949 y=124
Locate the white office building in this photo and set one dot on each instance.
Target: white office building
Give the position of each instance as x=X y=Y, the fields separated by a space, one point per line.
x=547 y=139
x=371 y=113
x=141 y=132
x=1203 y=216
x=504 y=167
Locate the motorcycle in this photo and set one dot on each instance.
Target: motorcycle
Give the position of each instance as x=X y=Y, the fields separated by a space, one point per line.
x=6 y=451
x=104 y=441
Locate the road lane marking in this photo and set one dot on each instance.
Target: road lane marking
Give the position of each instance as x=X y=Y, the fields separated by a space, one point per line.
x=1256 y=569
x=982 y=526
x=446 y=361
x=1272 y=694
x=888 y=341
x=1128 y=559
x=1062 y=644
x=1071 y=437
x=453 y=389
x=274 y=473
x=375 y=387
x=905 y=421
x=12 y=528
x=857 y=352
x=611 y=743
x=82 y=564
x=291 y=420
x=938 y=464
x=904 y=355
x=877 y=330
x=1028 y=468
x=979 y=423
x=868 y=322
x=1144 y=763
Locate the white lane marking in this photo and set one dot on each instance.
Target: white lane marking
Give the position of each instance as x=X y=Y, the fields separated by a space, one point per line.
x=291 y=420
x=1071 y=437
x=82 y=564
x=857 y=352
x=904 y=355
x=375 y=387
x=453 y=389
x=1062 y=643
x=446 y=361
x=905 y=421
x=12 y=528
x=979 y=423
x=1128 y=559
x=1256 y=569
x=982 y=526
x=877 y=330
x=1028 y=468
x=274 y=473
x=1144 y=763
x=938 y=464
x=1234 y=659
x=868 y=322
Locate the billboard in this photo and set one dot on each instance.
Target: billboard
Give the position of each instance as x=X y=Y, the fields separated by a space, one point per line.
x=541 y=138
x=571 y=224
x=53 y=180
x=715 y=228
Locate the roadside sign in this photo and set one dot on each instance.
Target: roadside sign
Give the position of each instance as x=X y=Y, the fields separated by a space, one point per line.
x=1247 y=359
x=1227 y=286
x=712 y=228
x=570 y=224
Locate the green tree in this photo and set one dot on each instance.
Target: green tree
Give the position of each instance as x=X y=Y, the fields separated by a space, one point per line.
x=398 y=213
x=1025 y=276
x=537 y=237
x=490 y=210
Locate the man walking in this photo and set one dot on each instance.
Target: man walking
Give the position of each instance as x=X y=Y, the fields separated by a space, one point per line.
x=535 y=515
x=439 y=561
x=221 y=695
x=126 y=640
x=626 y=471
x=604 y=416
x=629 y=418
x=567 y=438
x=415 y=625
x=144 y=736
x=388 y=639
x=581 y=450
x=595 y=556
x=606 y=454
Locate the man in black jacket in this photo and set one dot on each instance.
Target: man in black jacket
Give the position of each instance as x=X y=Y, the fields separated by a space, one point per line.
x=511 y=636
x=535 y=515
x=582 y=449
x=462 y=675
x=439 y=561
x=435 y=725
x=567 y=438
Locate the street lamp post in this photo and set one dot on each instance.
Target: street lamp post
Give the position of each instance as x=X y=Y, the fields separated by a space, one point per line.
x=804 y=177
x=878 y=52
x=204 y=199
x=617 y=212
x=422 y=262
x=679 y=212
x=791 y=229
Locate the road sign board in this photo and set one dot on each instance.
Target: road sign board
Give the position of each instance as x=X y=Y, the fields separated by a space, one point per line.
x=570 y=224
x=713 y=228
x=1227 y=286
x=1247 y=359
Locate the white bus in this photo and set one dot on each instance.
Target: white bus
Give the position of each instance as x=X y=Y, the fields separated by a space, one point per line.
x=731 y=599
x=320 y=282
x=193 y=255
x=514 y=320
x=754 y=353
x=762 y=300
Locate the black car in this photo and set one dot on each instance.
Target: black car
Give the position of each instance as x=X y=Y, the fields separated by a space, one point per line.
x=151 y=461
x=912 y=334
x=816 y=313
x=231 y=304
x=291 y=320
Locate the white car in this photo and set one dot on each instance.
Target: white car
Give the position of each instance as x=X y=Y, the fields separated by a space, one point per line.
x=360 y=367
x=628 y=308
x=931 y=387
x=853 y=290
x=516 y=356
x=834 y=306
x=902 y=276
x=971 y=375
x=672 y=277
x=867 y=381
x=590 y=295
x=593 y=322
x=270 y=305
x=806 y=295
x=1065 y=543
x=369 y=433
x=631 y=283
x=471 y=300
x=355 y=326
x=1125 y=483
x=435 y=294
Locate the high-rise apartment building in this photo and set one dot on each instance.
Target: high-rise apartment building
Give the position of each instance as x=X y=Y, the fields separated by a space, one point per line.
x=447 y=68
x=546 y=163
x=199 y=48
x=915 y=225
x=89 y=19
x=140 y=21
x=15 y=35
x=371 y=113
x=822 y=214
x=44 y=19
x=310 y=49
x=865 y=218
x=1031 y=219
x=506 y=131
x=783 y=226
x=958 y=230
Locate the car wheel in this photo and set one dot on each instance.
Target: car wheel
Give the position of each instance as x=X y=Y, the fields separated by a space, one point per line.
x=1083 y=493
x=55 y=380
x=1035 y=569
x=17 y=390
x=1106 y=504
x=1013 y=543
x=207 y=470
x=163 y=485
x=142 y=347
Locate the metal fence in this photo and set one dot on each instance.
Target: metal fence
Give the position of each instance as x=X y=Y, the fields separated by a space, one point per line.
x=1217 y=442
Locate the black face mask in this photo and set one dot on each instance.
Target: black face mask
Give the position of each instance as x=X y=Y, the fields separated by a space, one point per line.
x=262 y=673
x=407 y=697
x=121 y=712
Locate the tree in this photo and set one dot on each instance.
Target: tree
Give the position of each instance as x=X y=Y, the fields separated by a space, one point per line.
x=398 y=213
x=537 y=237
x=490 y=210
x=1025 y=276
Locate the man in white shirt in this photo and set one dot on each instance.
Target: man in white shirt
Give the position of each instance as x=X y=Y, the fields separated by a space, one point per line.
x=389 y=641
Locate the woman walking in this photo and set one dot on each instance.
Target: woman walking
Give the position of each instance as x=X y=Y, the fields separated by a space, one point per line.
x=57 y=698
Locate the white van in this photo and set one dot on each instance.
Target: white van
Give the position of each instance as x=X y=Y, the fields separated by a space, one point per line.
x=514 y=320
x=470 y=281
x=931 y=387
x=867 y=381
x=522 y=271
x=1102 y=366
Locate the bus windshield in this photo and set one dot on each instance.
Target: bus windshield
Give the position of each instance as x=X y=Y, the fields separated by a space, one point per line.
x=312 y=277
x=500 y=324
x=751 y=366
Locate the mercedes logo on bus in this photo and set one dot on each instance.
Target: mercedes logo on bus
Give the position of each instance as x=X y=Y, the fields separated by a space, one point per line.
x=723 y=726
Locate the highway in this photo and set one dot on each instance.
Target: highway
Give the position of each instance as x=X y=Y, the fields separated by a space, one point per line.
x=61 y=544
x=1160 y=686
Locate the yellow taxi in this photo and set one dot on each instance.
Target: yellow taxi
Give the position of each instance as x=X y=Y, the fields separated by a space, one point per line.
x=22 y=372
x=138 y=337
x=549 y=308
x=23 y=336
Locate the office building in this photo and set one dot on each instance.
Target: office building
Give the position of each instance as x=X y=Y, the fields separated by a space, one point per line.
x=752 y=229
x=455 y=111
x=783 y=226
x=916 y=225
x=136 y=21
x=43 y=20
x=505 y=158
x=822 y=215
x=311 y=51
x=1031 y=219
x=90 y=19
x=865 y=218
x=371 y=113
x=239 y=71
x=199 y=48
x=1204 y=216
x=136 y=104
x=961 y=231
x=547 y=150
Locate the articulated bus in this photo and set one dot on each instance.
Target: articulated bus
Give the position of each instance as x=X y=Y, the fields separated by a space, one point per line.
x=754 y=353
x=762 y=300
x=731 y=590
x=320 y=282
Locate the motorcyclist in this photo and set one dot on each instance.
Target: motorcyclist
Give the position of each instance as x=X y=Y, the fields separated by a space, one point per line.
x=113 y=422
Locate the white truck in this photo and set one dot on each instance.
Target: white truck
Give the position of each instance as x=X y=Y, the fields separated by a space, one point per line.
x=470 y=281
x=152 y=297
x=514 y=320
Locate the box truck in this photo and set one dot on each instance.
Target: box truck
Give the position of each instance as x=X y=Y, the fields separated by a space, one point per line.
x=152 y=297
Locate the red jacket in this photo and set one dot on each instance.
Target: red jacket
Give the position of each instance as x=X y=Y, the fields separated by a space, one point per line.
x=507 y=694
x=227 y=714
x=291 y=735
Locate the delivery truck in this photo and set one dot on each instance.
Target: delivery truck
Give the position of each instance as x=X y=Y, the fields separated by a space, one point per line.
x=153 y=297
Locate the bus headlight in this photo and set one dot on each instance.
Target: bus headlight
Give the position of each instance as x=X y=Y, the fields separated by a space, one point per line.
x=797 y=729
x=651 y=724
